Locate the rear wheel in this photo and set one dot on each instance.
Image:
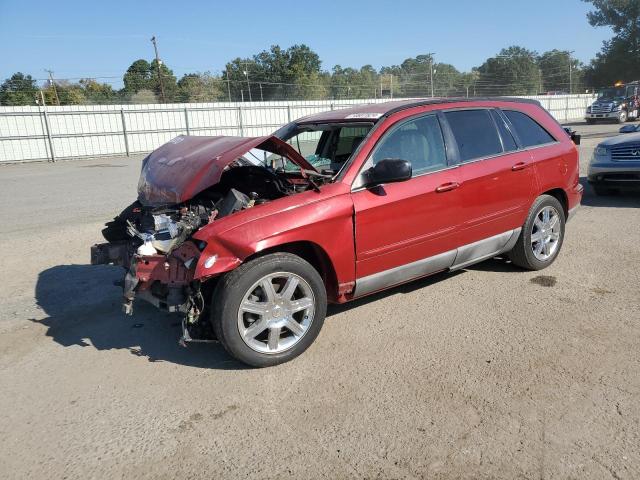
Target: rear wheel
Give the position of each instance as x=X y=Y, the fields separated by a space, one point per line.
x=541 y=236
x=269 y=310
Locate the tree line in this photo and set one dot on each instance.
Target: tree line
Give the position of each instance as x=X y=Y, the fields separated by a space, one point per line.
x=296 y=73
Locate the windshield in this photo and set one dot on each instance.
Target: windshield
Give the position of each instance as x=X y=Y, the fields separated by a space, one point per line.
x=327 y=146
x=614 y=92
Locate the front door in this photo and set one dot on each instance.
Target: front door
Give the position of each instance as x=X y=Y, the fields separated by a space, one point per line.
x=405 y=230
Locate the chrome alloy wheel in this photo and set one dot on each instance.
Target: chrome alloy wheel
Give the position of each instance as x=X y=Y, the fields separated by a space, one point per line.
x=545 y=235
x=276 y=312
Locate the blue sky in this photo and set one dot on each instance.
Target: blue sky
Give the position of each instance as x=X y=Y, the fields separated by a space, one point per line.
x=101 y=39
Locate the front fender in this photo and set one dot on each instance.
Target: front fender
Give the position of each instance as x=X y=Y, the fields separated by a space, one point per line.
x=327 y=224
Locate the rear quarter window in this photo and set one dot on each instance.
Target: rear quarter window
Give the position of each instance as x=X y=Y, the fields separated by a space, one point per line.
x=530 y=132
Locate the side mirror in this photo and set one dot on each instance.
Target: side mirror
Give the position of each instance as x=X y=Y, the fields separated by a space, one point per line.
x=575 y=138
x=389 y=170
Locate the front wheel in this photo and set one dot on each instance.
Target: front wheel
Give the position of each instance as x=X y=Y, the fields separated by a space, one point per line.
x=269 y=310
x=623 y=117
x=541 y=236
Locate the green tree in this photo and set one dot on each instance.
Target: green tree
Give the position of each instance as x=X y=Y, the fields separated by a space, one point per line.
x=560 y=72
x=514 y=71
x=468 y=82
x=98 y=93
x=276 y=74
x=19 y=89
x=143 y=75
x=619 y=58
x=137 y=77
x=352 y=83
x=446 y=80
x=415 y=76
x=68 y=93
x=200 y=87
x=169 y=82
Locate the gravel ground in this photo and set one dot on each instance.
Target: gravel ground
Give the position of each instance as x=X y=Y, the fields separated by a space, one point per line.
x=491 y=372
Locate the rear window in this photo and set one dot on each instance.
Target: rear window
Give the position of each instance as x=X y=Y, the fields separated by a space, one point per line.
x=527 y=129
x=475 y=133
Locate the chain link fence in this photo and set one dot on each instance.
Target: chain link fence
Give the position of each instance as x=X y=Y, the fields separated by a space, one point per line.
x=52 y=133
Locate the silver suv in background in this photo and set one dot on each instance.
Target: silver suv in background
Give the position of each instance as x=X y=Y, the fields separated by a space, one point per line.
x=615 y=164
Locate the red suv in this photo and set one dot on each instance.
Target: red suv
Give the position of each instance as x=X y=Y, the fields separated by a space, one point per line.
x=249 y=238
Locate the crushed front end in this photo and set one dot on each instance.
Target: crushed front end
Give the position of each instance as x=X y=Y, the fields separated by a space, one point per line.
x=184 y=186
x=154 y=247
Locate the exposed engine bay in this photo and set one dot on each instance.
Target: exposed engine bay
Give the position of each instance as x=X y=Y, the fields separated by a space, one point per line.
x=153 y=241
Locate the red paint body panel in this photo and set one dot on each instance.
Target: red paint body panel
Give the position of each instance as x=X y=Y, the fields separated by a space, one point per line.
x=494 y=198
x=371 y=230
x=323 y=219
x=169 y=270
x=404 y=222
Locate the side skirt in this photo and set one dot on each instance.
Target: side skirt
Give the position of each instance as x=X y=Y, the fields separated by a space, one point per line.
x=450 y=260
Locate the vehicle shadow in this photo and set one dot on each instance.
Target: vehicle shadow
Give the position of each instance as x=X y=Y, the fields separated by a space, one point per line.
x=83 y=308
x=625 y=199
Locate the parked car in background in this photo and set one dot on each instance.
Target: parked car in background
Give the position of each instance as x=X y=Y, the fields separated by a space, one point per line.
x=615 y=165
x=253 y=236
x=630 y=128
x=618 y=103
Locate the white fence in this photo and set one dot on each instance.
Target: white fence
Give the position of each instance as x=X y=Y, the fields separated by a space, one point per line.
x=35 y=133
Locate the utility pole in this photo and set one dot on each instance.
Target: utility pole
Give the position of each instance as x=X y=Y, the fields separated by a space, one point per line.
x=431 y=54
x=53 y=84
x=570 y=72
x=246 y=74
x=228 y=85
x=261 y=97
x=158 y=63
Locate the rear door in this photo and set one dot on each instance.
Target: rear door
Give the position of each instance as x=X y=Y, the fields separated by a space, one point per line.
x=497 y=178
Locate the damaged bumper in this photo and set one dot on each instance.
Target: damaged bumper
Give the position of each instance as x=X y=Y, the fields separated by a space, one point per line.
x=165 y=281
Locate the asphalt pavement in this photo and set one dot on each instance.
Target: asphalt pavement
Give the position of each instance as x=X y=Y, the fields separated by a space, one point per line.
x=490 y=372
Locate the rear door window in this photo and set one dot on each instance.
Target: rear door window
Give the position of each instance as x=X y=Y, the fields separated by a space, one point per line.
x=475 y=133
x=527 y=129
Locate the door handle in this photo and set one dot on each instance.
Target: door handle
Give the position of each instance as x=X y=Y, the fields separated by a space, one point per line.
x=447 y=187
x=519 y=166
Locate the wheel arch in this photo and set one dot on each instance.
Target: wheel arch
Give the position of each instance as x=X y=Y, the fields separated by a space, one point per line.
x=312 y=253
x=560 y=195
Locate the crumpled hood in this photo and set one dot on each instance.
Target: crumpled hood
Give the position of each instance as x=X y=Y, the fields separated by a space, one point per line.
x=185 y=166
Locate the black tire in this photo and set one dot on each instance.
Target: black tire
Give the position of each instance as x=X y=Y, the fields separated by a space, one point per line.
x=590 y=121
x=602 y=191
x=623 y=117
x=522 y=254
x=231 y=290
